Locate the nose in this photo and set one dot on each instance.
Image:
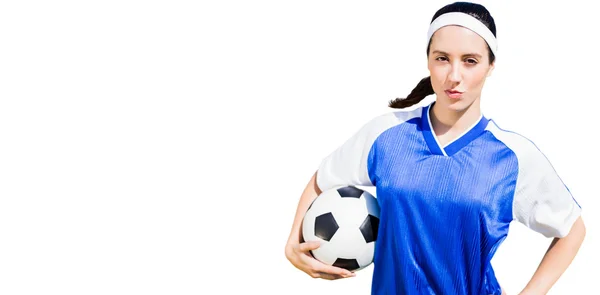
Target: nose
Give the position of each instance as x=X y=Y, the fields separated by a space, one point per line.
x=455 y=74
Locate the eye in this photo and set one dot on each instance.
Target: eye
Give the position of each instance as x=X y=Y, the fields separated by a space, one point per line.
x=441 y=58
x=471 y=61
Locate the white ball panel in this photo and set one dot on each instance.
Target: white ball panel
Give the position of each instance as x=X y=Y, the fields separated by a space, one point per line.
x=371 y=204
x=308 y=227
x=367 y=255
x=349 y=242
x=327 y=252
x=324 y=203
x=350 y=212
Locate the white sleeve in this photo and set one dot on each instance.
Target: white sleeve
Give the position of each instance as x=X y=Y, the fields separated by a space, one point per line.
x=348 y=164
x=542 y=202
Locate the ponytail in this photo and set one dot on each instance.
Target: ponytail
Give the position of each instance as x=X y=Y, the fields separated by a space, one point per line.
x=422 y=90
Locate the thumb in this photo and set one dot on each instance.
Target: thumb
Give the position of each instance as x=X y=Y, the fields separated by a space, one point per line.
x=310 y=245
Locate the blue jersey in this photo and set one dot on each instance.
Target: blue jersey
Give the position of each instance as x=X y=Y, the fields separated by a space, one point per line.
x=445 y=210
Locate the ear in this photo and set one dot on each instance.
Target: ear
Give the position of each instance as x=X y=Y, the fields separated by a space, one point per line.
x=492 y=66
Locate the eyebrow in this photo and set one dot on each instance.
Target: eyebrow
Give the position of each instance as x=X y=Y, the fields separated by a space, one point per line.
x=464 y=55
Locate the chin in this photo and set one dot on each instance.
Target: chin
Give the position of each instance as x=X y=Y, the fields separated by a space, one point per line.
x=458 y=105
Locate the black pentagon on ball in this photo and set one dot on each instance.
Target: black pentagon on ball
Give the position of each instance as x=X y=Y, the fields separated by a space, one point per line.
x=325 y=226
x=350 y=192
x=349 y=264
x=369 y=228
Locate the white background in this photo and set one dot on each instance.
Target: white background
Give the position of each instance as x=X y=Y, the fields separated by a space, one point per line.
x=161 y=147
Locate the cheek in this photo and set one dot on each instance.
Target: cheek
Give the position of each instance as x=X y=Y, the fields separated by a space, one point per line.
x=477 y=78
x=437 y=78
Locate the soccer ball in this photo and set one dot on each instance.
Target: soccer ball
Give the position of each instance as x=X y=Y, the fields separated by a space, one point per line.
x=345 y=220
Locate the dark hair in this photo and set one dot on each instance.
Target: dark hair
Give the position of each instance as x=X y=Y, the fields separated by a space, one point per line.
x=424 y=87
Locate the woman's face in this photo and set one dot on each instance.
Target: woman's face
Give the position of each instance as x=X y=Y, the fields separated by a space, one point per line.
x=458 y=61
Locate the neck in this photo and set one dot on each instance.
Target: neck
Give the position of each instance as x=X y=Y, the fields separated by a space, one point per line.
x=445 y=120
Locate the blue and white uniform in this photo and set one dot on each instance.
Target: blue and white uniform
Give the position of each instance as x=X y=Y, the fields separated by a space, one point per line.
x=445 y=210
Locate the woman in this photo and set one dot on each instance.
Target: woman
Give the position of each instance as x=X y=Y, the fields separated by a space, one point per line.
x=449 y=181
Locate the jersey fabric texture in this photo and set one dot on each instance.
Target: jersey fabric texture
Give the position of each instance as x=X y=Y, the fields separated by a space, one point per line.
x=445 y=210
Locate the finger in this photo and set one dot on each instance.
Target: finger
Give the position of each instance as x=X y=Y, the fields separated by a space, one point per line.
x=310 y=245
x=330 y=269
x=327 y=276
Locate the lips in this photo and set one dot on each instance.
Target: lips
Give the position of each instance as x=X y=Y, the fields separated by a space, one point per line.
x=454 y=94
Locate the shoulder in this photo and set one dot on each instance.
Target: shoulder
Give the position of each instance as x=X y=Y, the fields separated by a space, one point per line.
x=389 y=119
x=525 y=149
x=518 y=143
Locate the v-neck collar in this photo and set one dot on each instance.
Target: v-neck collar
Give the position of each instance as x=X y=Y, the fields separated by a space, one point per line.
x=454 y=146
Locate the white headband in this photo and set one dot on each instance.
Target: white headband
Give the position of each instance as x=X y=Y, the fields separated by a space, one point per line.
x=467 y=21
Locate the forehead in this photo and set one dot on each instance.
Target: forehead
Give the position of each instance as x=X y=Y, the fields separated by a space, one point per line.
x=457 y=40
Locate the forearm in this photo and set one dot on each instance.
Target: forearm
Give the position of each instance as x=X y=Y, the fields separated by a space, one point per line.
x=309 y=194
x=556 y=260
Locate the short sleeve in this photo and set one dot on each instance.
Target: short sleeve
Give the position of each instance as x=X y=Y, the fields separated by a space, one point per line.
x=542 y=202
x=348 y=164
